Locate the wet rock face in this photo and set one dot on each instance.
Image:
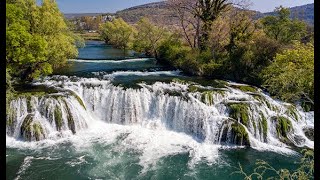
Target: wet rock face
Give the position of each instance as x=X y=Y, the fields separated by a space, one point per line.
x=309 y=132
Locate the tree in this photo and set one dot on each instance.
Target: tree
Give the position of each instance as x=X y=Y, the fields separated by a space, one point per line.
x=37 y=39
x=208 y=11
x=242 y=27
x=190 y=23
x=117 y=33
x=281 y=28
x=148 y=37
x=291 y=76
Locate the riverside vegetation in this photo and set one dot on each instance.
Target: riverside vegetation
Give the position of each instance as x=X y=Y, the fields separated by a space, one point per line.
x=268 y=53
x=214 y=40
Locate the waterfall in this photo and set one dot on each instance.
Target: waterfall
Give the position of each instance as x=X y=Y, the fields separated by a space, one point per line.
x=232 y=114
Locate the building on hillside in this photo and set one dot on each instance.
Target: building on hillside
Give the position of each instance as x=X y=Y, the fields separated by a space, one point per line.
x=106 y=18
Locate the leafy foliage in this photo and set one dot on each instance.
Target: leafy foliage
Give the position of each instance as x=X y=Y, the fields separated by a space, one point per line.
x=118 y=33
x=192 y=61
x=281 y=28
x=208 y=11
x=37 y=38
x=291 y=75
x=148 y=37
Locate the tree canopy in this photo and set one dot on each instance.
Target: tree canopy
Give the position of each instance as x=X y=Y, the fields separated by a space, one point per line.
x=282 y=28
x=118 y=33
x=148 y=37
x=291 y=75
x=37 y=38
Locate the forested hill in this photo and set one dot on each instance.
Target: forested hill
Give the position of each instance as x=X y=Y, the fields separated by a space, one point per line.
x=304 y=12
x=159 y=12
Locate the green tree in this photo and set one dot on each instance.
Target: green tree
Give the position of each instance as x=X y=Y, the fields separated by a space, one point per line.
x=282 y=28
x=37 y=38
x=208 y=11
x=117 y=33
x=291 y=76
x=148 y=37
x=242 y=28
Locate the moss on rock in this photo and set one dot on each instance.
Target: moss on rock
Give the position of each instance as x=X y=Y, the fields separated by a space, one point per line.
x=264 y=123
x=283 y=126
x=78 y=99
x=292 y=112
x=58 y=117
x=245 y=88
x=70 y=119
x=207 y=97
x=177 y=80
x=26 y=129
x=29 y=106
x=10 y=117
x=38 y=131
x=241 y=136
x=193 y=88
x=240 y=112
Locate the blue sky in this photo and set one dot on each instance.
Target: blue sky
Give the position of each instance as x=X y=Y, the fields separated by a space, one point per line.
x=93 y=6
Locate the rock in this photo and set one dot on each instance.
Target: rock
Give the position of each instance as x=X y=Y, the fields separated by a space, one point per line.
x=309 y=132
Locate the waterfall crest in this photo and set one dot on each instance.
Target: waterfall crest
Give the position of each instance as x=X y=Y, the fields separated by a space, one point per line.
x=229 y=114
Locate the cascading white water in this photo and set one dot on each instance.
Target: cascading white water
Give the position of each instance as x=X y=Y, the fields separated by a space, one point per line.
x=211 y=115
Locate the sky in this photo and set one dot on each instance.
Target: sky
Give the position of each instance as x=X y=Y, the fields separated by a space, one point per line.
x=104 y=6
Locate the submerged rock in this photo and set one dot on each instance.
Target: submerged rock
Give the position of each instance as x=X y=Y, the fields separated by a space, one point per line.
x=31 y=130
x=309 y=132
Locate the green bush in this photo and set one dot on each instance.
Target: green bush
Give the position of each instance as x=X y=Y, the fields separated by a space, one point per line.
x=291 y=76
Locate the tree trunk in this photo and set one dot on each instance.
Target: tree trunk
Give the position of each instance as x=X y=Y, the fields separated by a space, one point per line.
x=204 y=39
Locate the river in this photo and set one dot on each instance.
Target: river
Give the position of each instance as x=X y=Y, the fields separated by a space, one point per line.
x=109 y=116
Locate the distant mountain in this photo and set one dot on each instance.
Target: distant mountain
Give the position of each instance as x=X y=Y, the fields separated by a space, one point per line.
x=304 y=13
x=160 y=13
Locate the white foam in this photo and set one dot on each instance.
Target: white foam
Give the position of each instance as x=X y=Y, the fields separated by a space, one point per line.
x=157 y=125
x=140 y=73
x=26 y=163
x=110 y=60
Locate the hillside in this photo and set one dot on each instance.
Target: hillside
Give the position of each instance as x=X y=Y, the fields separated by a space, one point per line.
x=304 y=12
x=159 y=11
x=161 y=14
